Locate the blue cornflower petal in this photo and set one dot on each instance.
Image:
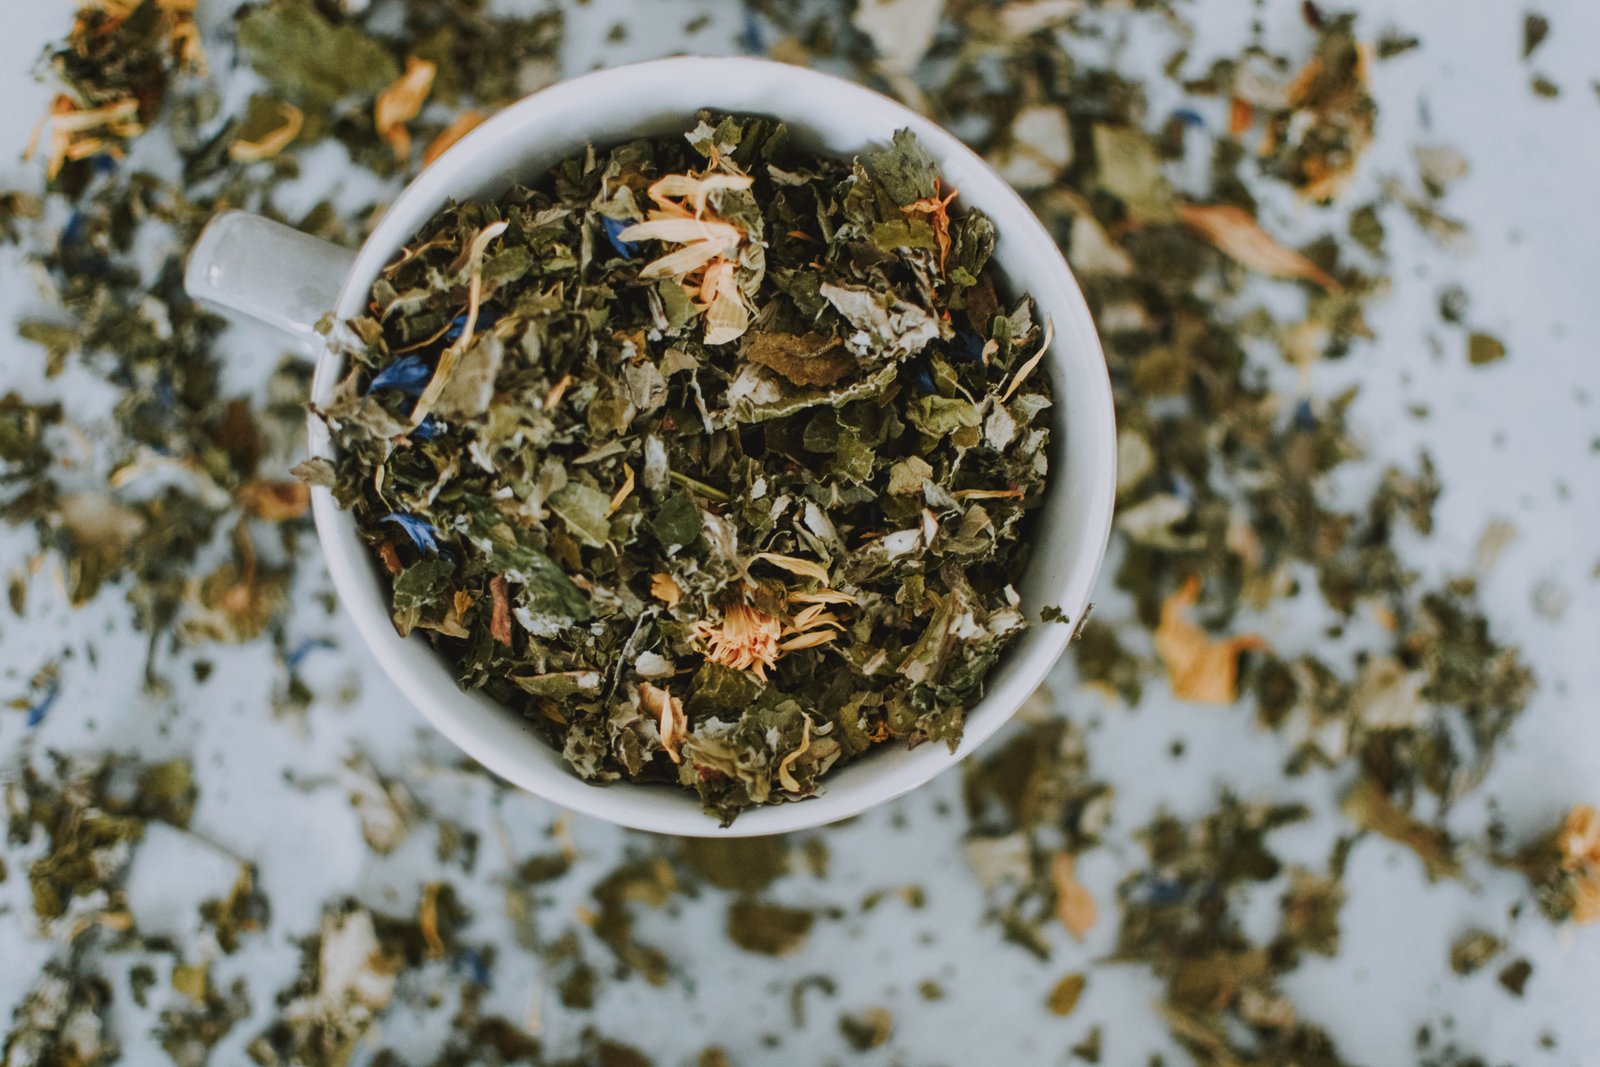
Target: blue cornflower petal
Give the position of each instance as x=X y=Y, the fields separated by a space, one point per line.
x=104 y=162
x=919 y=376
x=305 y=648
x=41 y=707
x=750 y=36
x=72 y=232
x=458 y=325
x=967 y=345
x=408 y=375
x=625 y=249
x=1305 y=420
x=473 y=963
x=1189 y=117
x=1181 y=488
x=421 y=532
x=426 y=430
x=1159 y=891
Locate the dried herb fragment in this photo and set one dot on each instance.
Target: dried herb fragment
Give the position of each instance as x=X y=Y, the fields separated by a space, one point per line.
x=1064 y=995
x=1472 y=950
x=868 y=1029
x=770 y=929
x=1535 y=28
x=1484 y=348
x=1514 y=976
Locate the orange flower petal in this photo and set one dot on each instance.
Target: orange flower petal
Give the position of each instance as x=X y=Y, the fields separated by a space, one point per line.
x=1075 y=905
x=1200 y=669
x=463 y=124
x=401 y=102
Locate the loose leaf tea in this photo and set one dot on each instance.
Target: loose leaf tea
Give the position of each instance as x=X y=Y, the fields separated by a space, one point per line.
x=709 y=454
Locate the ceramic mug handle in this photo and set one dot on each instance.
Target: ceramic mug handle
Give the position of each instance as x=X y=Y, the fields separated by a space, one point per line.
x=267 y=271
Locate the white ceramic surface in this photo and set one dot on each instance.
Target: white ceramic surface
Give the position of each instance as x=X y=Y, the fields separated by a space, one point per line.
x=275 y=274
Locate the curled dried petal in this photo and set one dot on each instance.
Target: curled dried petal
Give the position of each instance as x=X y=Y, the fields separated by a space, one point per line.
x=401 y=102
x=785 y=777
x=672 y=722
x=271 y=144
x=805 y=568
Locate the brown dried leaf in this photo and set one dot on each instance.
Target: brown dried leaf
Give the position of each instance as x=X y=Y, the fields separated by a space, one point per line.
x=809 y=360
x=500 y=620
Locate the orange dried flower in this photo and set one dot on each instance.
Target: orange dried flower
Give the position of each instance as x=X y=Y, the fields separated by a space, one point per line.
x=747 y=640
x=936 y=210
x=77 y=133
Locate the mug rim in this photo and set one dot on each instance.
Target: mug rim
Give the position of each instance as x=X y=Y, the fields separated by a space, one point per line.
x=417 y=671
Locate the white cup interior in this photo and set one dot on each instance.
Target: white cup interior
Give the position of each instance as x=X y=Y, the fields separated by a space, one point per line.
x=611 y=106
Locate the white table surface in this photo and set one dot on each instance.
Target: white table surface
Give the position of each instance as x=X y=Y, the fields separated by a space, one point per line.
x=1519 y=440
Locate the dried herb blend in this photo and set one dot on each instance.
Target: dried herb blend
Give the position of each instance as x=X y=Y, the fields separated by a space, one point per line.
x=708 y=453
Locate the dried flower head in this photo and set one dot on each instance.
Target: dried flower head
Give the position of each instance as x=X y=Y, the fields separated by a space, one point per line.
x=746 y=640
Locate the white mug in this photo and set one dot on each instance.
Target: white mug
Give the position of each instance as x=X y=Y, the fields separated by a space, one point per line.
x=251 y=265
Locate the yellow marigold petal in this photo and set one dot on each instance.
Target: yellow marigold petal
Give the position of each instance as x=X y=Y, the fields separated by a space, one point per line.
x=452 y=355
x=623 y=492
x=672 y=722
x=683 y=230
x=810 y=640
x=1580 y=837
x=822 y=596
x=686 y=260
x=1028 y=367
